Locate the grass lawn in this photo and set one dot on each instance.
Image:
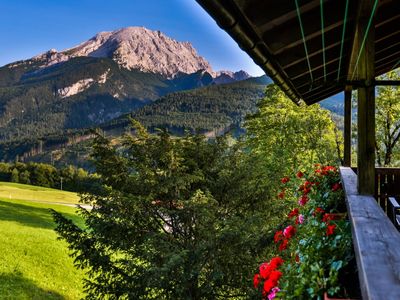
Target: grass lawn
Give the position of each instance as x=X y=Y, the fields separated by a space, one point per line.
x=9 y=190
x=33 y=263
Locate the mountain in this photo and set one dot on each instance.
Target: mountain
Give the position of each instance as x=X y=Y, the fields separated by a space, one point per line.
x=229 y=76
x=111 y=74
x=135 y=48
x=212 y=110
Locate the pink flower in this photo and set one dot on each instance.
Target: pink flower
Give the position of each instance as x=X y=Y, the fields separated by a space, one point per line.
x=273 y=292
x=300 y=219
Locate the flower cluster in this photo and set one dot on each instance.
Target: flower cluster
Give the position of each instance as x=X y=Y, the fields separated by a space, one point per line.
x=311 y=235
x=268 y=277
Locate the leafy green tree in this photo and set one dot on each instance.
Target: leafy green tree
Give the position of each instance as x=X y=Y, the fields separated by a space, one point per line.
x=284 y=137
x=24 y=177
x=15 y=175
x=175 y=220
x=388 y=122
x=43 y=174
x=5 y=171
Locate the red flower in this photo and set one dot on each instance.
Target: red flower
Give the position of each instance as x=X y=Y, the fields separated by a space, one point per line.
x=275 y=262
x=297 y=258
x=283 y=245
x=306 y=187
x=256 y=280
x=293 y=213
x=303 y=200
x=281 y=195
x=318 y=210
x=330 y=229
x=328 y=169
x=275 y=276
x=268 y=285
x=337 y=186
x=289 y=231
x=299 y=174
x=285 y=179
x=308 y=184
x=265 y=270
x=331 y=217
x=278 y=236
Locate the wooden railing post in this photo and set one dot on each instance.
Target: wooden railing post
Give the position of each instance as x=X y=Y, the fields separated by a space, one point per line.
x=365 y=72
x=347 y=127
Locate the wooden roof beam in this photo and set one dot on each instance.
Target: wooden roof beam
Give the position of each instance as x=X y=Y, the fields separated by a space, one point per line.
x=304 y=59
x=282 y=14
x=298 y=42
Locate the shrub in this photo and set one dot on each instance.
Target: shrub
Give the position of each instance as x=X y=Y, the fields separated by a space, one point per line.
x=316 y=245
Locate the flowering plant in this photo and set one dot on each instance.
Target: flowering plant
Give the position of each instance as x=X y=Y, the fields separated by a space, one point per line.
x=316 y=245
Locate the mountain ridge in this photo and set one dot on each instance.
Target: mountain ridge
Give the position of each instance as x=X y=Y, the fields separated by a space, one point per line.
x=111 y=74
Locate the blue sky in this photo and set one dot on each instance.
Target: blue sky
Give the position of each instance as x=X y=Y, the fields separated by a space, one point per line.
x=30 y=27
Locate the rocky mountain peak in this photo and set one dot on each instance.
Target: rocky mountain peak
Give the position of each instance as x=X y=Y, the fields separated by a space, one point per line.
x=136 y=48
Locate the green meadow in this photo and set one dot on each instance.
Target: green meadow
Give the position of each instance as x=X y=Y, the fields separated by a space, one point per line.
x=33 y=263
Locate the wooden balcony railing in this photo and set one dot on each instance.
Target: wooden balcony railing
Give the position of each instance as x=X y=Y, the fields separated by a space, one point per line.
x=387 y=184
x=387 y=192
x=376 y=241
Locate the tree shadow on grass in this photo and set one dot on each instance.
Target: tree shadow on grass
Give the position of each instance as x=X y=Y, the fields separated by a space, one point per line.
x=15 y=286
x=28 y=215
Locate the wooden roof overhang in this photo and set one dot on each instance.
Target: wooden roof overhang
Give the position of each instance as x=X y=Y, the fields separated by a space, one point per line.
x=306 y=46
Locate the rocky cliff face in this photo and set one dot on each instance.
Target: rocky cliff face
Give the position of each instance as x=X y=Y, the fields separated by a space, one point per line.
x=136 y=48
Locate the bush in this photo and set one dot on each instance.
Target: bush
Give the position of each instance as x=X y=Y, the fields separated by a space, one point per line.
x=316 y=246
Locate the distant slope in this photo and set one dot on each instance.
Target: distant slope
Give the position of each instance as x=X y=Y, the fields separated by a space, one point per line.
x=211 y=108
x=214 y=109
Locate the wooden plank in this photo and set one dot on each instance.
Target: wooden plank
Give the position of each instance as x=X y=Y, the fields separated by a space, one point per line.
x=376 y=243
x=347 y=128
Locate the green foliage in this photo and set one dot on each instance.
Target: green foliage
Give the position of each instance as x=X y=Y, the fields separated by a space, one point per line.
x=388 y=122
x=286 y=137
x=74 y=179
x=15 y=175
x=175 y=220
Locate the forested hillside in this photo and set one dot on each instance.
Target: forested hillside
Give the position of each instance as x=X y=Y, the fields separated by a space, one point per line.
x=213 y=108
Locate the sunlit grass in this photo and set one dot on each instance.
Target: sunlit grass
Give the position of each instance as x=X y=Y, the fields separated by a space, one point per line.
x=33 y=263
x=10 y=190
